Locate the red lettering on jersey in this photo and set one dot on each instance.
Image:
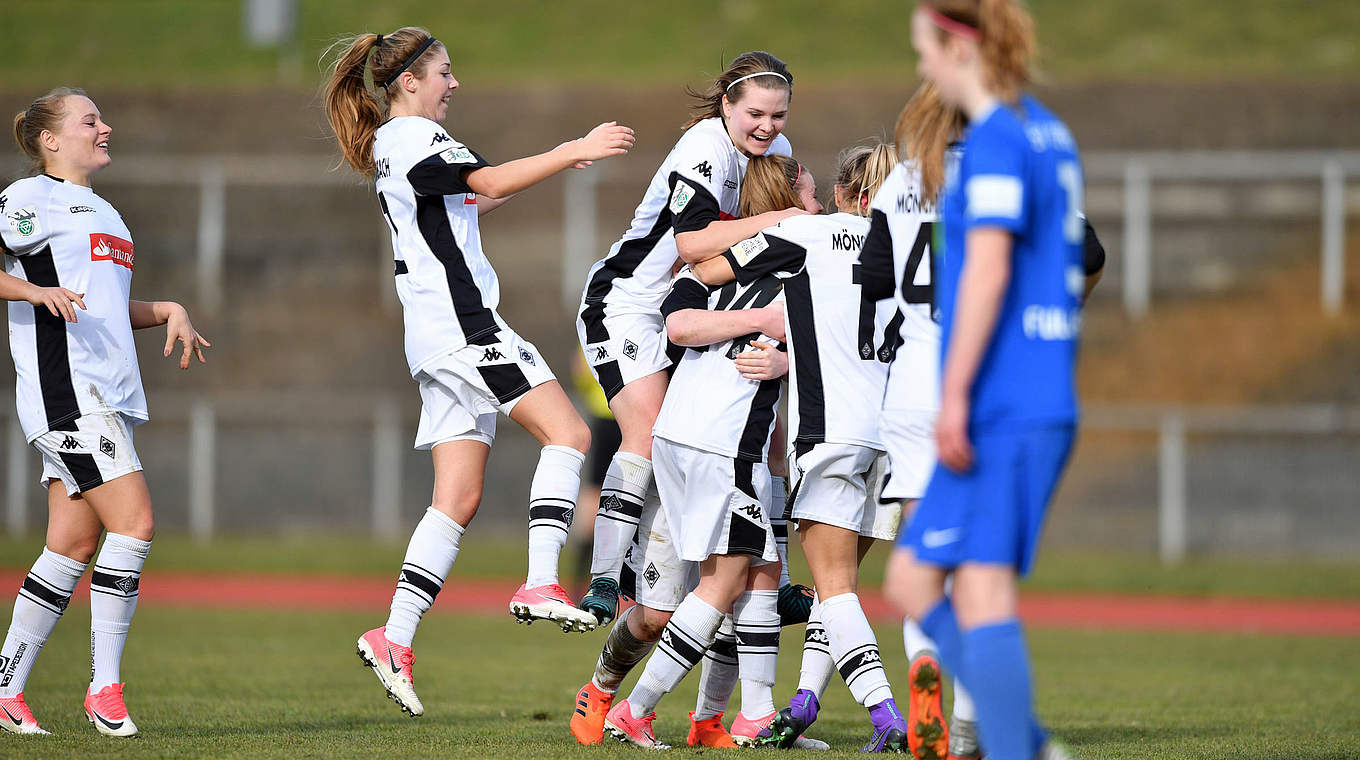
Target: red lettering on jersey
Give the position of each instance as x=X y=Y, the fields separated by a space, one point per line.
x=470 y=199
x=723 y=216
x=109 y=248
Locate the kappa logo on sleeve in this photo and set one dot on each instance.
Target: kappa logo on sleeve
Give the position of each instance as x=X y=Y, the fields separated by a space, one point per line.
x=25 y=221
x=681 y=196
x=440 y=137
x=748 y=249
x=109 y=248
x=705 y=170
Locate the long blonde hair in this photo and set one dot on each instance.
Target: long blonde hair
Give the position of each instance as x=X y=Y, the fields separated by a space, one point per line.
x=1005 y=39
x=353 y=109
x=769 y=185
x=861 y=171
x=924 y=131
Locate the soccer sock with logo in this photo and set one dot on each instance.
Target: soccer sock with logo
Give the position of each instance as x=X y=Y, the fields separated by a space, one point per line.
x=779 y=522
x=429 y=557
x=718 y=676
x=113 y=599
x=757 y=625
x=815 y=672
x=621 y=653
x=1005 y=697
x=552 y=501
x=855 y=649
x=622 y=495
x=691 y=630
x=42 y=599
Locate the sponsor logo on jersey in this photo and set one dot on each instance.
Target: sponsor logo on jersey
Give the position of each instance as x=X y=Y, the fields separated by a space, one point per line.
x=730 y=184
x=109 y=248
x=845 y=241
x=440 y=137
x=681 y=196
x=25 y=221
x=382 y=168
x=1051 y=323
x=705 y=170
x=81 y=210
x=70 y=444
x=457 y=156
x=630 y=350
x=747 y=249
x=106 y=447
x=470 y=199
x=527 y=357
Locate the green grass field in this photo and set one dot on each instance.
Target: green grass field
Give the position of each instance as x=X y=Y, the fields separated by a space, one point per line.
x=262 y=685
x=146 y=43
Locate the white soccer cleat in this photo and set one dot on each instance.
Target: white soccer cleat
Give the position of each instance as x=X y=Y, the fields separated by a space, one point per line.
x=394 y=665
x=550 y=603
x=16 y=718
x=107 y=713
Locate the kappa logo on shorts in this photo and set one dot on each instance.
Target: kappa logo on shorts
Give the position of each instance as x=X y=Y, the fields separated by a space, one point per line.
x=630 y=350
x=752 y=511
x=106 y=447
x=527 y=357
x=652 y=575
x=601 y=354
x=70 y=444
x=492 y=354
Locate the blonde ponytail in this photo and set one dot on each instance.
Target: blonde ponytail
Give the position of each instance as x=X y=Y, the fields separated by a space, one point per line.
x=924 y=131
x=862 y=170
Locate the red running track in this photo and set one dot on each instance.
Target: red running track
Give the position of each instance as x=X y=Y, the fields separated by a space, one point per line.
x=491 y=597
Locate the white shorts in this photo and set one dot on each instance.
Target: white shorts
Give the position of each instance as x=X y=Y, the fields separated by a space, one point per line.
x=837 y=484
x=97 y=450
x=621 y=348
x=714 y=504
x=909 y=435
x=462 y=391
x=653 y=574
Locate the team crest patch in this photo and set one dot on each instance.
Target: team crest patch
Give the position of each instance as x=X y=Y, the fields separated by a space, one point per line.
x=25 y=221
x=630 y=350
x=681 y=196
x=126 y=585
x=526 y=357
x=610 y=503
x=457 y=156
x=651 y=575
x=747 y=249
x=106 y=447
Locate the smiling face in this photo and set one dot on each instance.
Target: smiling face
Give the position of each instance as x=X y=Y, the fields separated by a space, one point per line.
x=427 y=92
x=79 y=146
x=756 y=118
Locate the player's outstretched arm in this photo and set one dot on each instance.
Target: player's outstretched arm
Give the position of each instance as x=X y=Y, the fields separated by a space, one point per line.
x=701 y=245
x=178 y=329
x=701 y=327
x=59 y=301
x=607 y=140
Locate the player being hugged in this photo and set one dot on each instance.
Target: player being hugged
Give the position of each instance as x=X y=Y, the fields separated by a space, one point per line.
x=68 y=276
x=839 y=348
x=468 y=362
x=688 y=212
x=1008 y=294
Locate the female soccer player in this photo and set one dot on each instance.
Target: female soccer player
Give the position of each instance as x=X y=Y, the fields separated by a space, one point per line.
x=468 y=361
x=1009 y=295
x=68 y=273
x=712 y=442
x=687 y=212
x=839 y=346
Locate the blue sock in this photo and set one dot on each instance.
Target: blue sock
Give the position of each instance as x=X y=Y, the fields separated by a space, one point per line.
x=1005 y=698
x=943 y=628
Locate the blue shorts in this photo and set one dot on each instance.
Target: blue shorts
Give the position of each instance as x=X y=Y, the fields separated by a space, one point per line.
x=995 y=512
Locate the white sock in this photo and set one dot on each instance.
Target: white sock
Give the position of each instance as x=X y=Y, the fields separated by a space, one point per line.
x=779 y=522
x=622 y=495
x=757 y=625
x=817 y=667
x=684 y=640
x=964 y=709
x=42 y=598
x=552 y=502
x=718 y=676
x=855 y=649
x=113 y=599
x=429 y=557
x=915 y=640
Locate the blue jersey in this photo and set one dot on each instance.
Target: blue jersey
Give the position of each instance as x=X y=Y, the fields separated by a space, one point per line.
x=1020 y=172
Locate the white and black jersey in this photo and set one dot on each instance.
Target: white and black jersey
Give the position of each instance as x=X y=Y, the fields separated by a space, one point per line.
x=839 y=341
x=898 y=262
x=60 y=234
x=709 y=405
x=448 y=290
x=698 y=183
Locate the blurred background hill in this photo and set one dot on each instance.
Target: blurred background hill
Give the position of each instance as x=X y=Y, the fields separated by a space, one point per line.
x=307 y=380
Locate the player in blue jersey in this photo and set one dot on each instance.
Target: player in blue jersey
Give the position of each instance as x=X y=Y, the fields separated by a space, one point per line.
x=1009 y=288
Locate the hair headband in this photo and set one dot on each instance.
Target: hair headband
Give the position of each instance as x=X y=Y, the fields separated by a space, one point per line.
x=954 y=27
x=407 y=63
x=757 y=74
x=799 y=175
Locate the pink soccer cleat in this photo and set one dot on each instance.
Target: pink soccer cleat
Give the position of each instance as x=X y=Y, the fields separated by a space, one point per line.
x=394 y=665
x=621 y=725
x=107 y=712
x=550 y=603
x=16 y=718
